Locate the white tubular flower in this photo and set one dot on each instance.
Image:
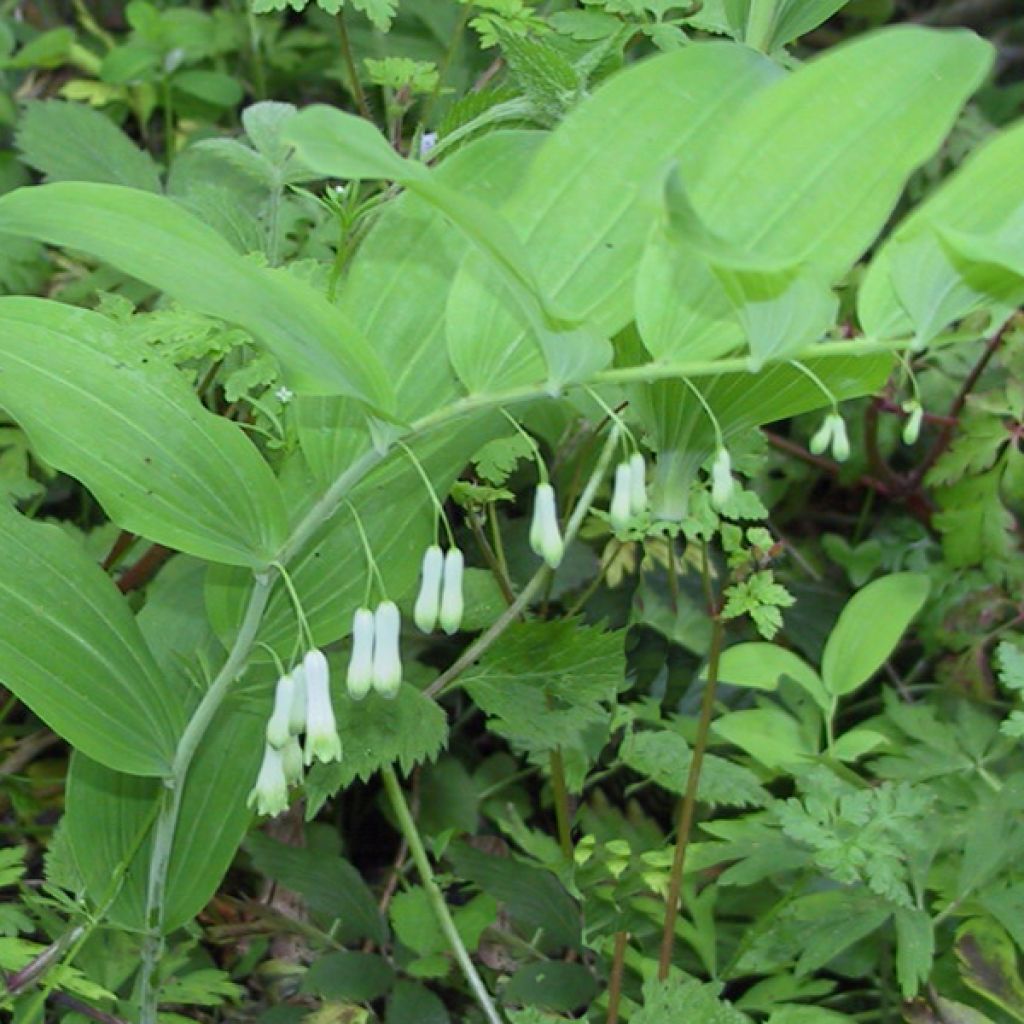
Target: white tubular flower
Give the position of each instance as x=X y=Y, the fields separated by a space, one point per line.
x=270 y=794
x=291 y=761
x=722 y=482
x=822 y=437
x=451 y=592
x=545 y=536
x=278 y=724
x=619 y=512
x=360 y=665
x=637 y=483
x=429 y=600
x=912 y=428
x=840 y=441
x=297 y=719
x=322 y=740
x=387 y=662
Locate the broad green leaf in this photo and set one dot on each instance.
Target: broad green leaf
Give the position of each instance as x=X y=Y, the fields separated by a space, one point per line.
x=155 y=240
x=160 y=464
x=551 y=984
x=853 y=745
x=396 y=289
x=347 y=975
x=782 y=307
x=586 y=205
x=109 y=814
x=70 y=649
x=543 y=683
x=760 y=666
x=869 y=628
x=768 y=735
x=807 y=171
x=73 y=142
x=769 y=24
x=959 y=251
x=333 y=889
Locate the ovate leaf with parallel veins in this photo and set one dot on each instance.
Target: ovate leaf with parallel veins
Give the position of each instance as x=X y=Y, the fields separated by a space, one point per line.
x=160 y=464
x=70 y=649
x=157 y=241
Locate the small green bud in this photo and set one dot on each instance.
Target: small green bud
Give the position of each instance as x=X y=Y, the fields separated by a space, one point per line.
x=822 y=436
x=840 y=440
x=912 y=428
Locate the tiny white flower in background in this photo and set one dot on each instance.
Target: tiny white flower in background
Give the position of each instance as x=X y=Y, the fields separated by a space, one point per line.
x=387 y=662
x=270 y=794
x=722 y=482
x=545 y=536
x=427 y=142
x=451 y=595
x=322 y=740
x=279 y=723
x=297 y=718
x=428 y=601
x=912 y=428
x=291 y=761
x=284 y=394
x=840 y=441
x=360 y=665
x=637 y=484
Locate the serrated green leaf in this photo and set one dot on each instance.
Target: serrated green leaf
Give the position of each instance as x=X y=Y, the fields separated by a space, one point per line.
x=498 y=458
x=680 y=998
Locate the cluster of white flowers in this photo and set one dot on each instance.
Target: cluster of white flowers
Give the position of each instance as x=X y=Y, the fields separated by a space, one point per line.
x=302 y=705
x=376 y=662
x=832 y=431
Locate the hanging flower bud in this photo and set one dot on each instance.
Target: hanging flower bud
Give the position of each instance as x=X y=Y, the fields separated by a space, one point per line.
x=322 y=740
x=912 y=428
x=722 y=482
x=451 y=594
x=270 y=794
x=545 y=536
x=840 y=440
x=637 y=484
x=387 y=662
x=360 y=665
x=822 y=436
x=297 y=718
x=278 y=724
x=427 y=603
x=291 y=761
x=619 y=510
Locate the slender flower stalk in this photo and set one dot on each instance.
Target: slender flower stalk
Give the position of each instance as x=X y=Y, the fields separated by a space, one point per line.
x=279 y=723
x=270 y=794
x=545 y=536
x=360 y=666
x=322 y=740
x=452 y=604
x=428 y=602
x=387 y=662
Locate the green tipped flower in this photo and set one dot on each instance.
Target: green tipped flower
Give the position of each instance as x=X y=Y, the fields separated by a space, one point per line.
x=428 y=602
x=360 y=666
x=620 y=510
x=270 y=794
x=278 y=725
x=322 y=740
x=291 y=761
x=451 y=593
x=840 y=440
x=297 y=718
x=822 y=436
x=912 y=428
x=545 y=536
x=387 y=662
x=722 y=483
x=637 y=484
